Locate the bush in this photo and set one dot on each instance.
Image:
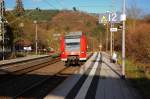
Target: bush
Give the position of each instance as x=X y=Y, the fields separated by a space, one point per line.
x=55 y=55
x=19 y=54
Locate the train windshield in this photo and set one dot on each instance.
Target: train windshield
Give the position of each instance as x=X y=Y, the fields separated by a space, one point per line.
x=72 y=44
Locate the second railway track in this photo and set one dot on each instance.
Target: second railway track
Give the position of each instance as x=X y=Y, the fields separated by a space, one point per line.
x=27 y=66
x=13 y=71
x=36 y=85
x=50 y=81
x=37 y=82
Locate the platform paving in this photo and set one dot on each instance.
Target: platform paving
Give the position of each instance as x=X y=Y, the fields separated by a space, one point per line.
x=17 y=60
x=3 y=62
x=97 y=79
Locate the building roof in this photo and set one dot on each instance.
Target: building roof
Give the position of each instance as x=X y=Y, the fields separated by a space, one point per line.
x=23 y=42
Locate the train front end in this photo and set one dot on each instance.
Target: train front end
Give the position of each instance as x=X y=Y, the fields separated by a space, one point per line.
x=73 y=48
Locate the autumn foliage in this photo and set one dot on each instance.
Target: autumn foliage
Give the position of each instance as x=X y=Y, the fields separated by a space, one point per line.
x=51 y=22
x=138 y=40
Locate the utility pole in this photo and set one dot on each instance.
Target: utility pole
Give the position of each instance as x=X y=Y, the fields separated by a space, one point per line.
x=111 y=33
x=36 y=38
x=107 y=31
x=19 y=7
x=123 y=18
x=2 y=26
x=111 y=40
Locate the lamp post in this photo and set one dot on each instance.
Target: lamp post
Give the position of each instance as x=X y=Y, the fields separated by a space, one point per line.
x=111 y=33
x=123 y=19
x=36 y=38
x=107 y=35
x=21 y=25
x=111 y=39
x=107 y=32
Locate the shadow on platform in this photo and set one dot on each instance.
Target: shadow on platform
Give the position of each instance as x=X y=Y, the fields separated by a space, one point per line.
x=12 y=85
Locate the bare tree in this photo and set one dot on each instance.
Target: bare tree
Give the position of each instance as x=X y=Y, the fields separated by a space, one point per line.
x=133 y=13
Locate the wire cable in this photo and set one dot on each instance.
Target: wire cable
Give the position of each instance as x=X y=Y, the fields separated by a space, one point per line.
x=46 y=1
x=60 y=3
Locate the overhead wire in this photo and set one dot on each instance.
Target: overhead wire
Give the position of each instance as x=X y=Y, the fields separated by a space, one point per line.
x=46 y=1
x=18 y=18
x=60 y=3
x=96 y=6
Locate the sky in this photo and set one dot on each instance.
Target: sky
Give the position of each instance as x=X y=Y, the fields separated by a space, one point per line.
x=91 y=6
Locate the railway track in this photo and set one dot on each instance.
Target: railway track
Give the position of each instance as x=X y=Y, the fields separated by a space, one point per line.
x=25 y=67
x=23 y=82
x=29 y=65
x=35 y=67
x=53 y=80
x=14 y=62
x=27 y=83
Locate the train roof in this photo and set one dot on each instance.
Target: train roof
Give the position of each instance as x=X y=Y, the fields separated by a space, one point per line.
x=74 y=35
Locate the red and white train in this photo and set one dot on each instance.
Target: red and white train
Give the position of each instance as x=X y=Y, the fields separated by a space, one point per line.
x=74 y=48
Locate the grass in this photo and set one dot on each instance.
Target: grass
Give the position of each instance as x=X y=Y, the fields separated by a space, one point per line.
x=138 y=77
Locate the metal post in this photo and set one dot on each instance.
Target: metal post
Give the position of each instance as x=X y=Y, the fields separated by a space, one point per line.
x=111 y=41
x=21 y=26
x=112 y=26
x=36 y=38
x=3 y=30
x=107 y=37
x=123 y=40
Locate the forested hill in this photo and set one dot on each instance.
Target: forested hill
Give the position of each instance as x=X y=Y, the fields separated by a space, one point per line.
x=53 y=21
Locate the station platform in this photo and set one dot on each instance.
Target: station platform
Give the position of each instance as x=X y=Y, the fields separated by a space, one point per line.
x=17 y=60
x=97 y=79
